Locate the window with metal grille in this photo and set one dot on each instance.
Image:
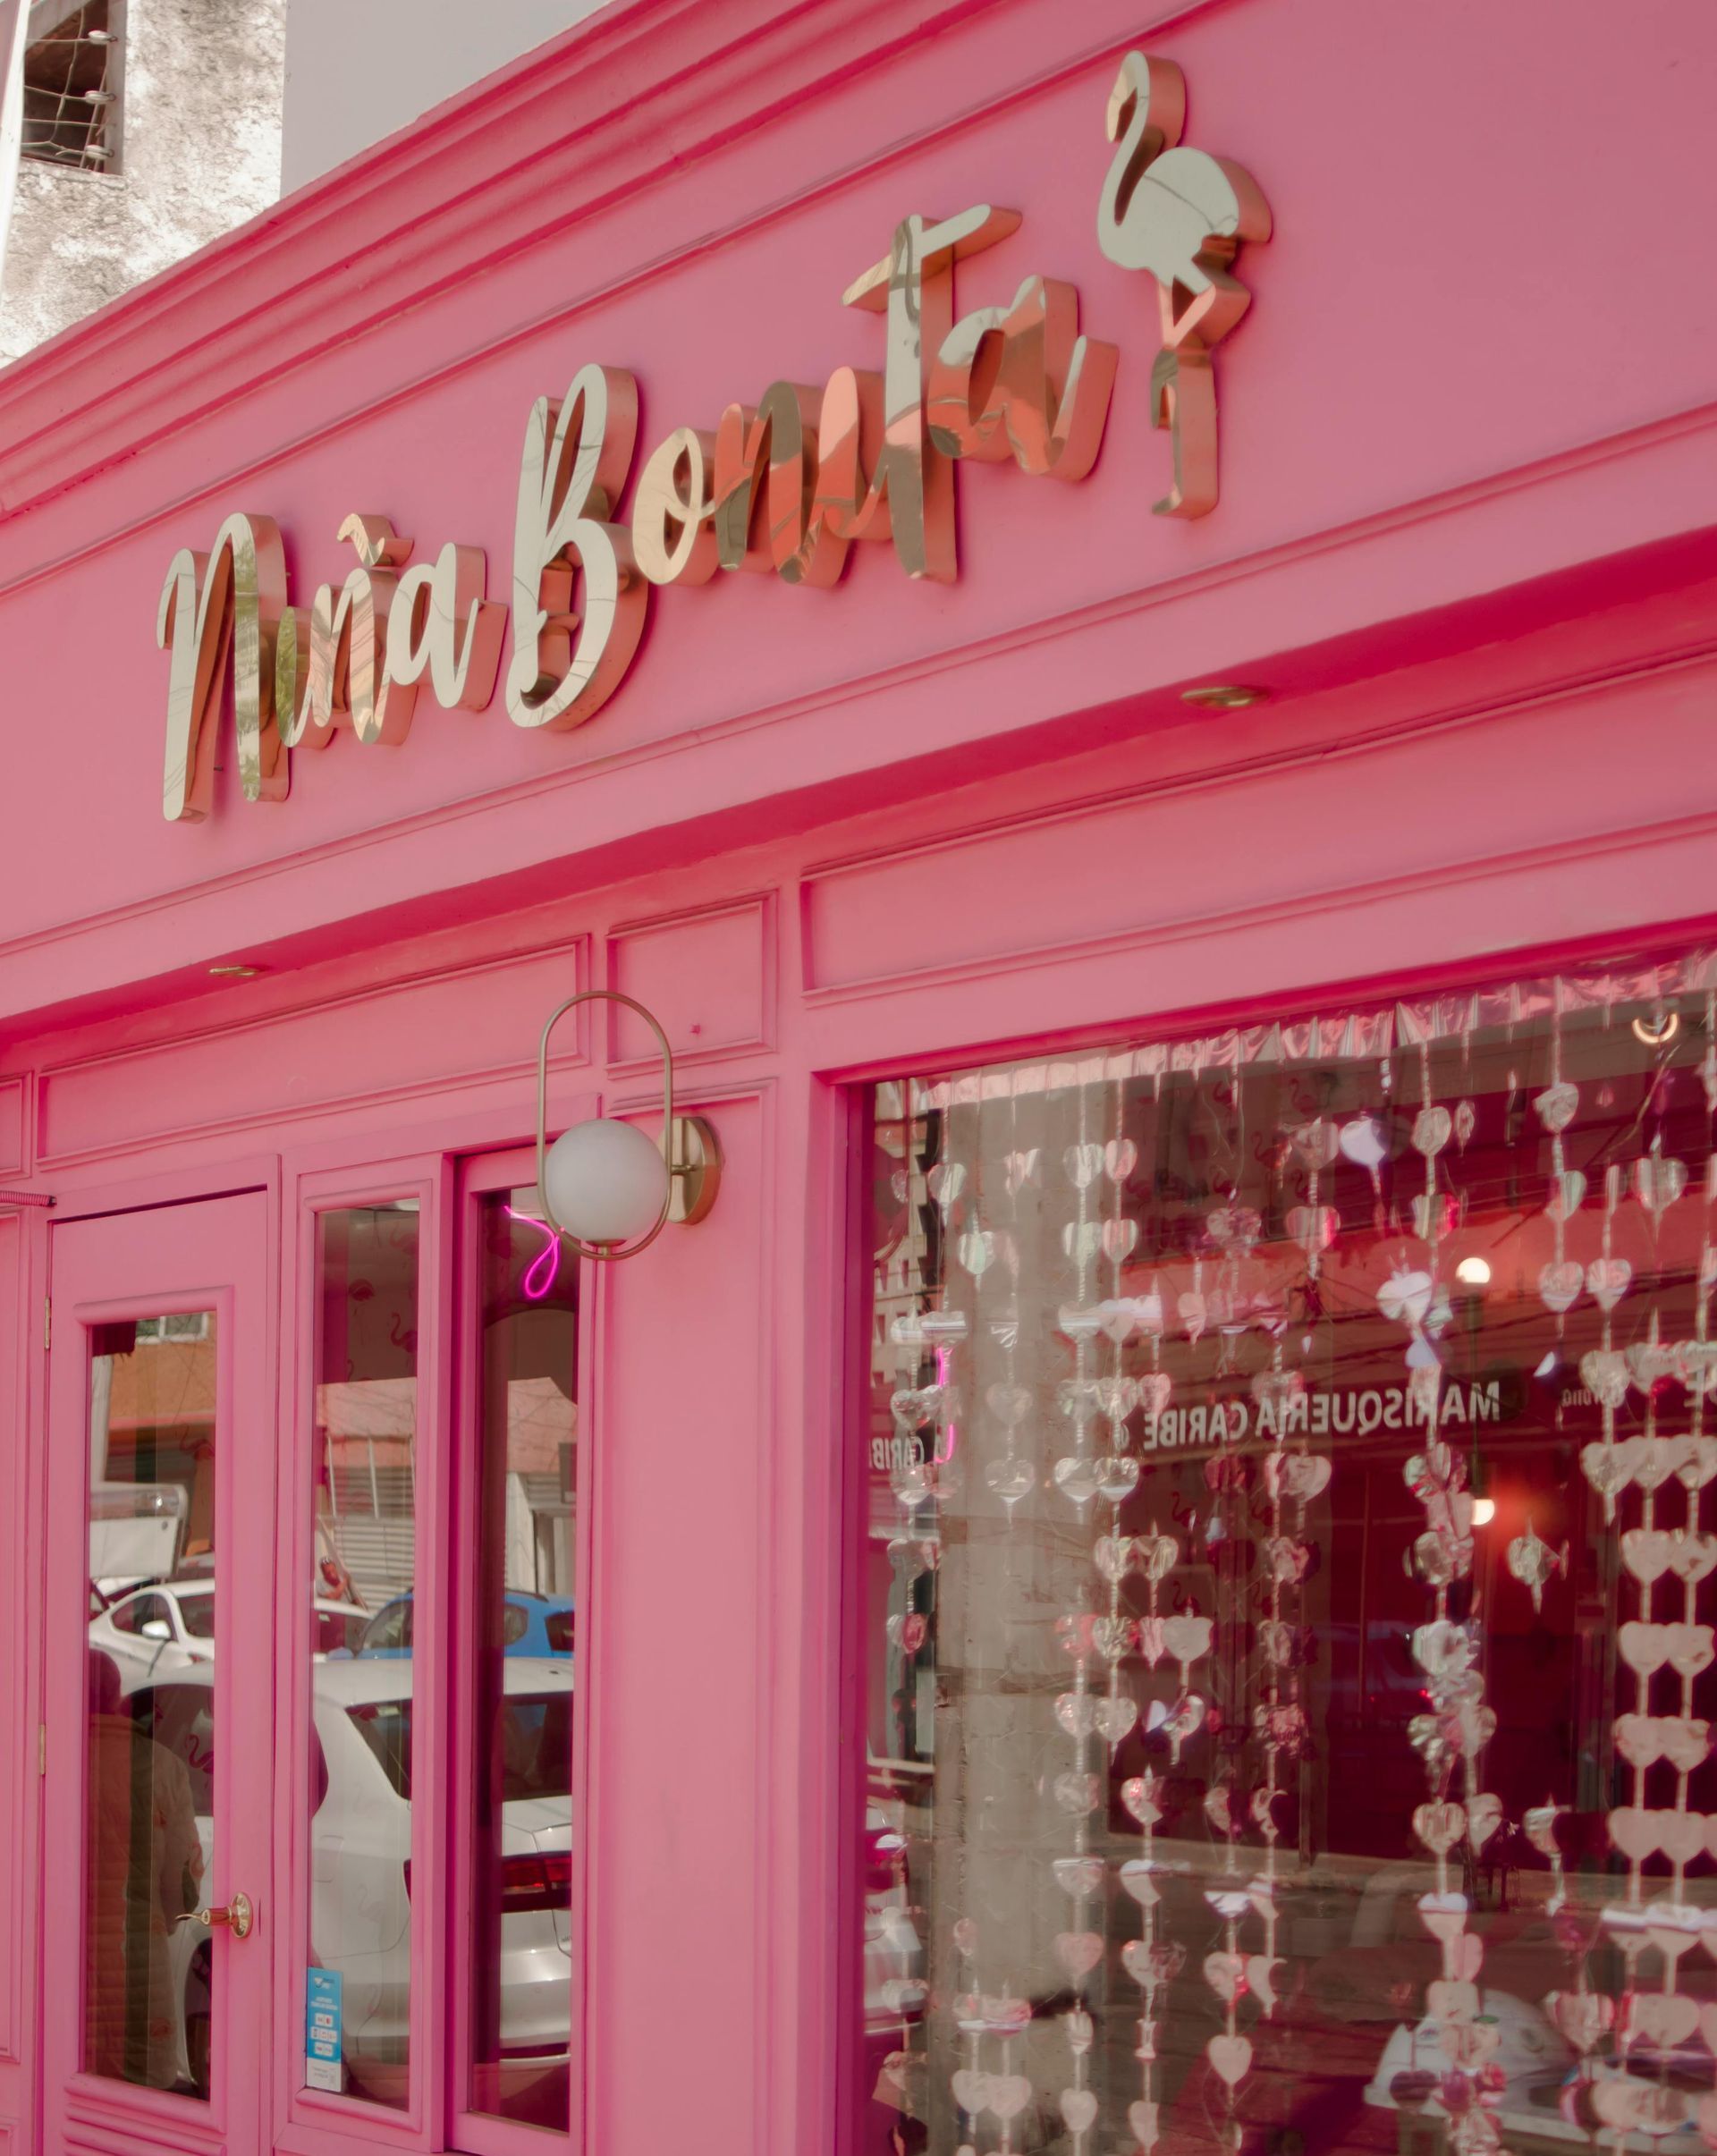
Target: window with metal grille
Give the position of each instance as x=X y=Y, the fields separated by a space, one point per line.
x=72 y=67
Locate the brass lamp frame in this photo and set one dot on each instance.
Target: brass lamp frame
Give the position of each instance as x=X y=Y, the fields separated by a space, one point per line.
x=689 y=1143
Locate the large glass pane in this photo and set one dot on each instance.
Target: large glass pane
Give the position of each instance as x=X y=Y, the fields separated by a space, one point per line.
x=359 y=1617
x=525 y=1596
x=150 y=1822
x=1291 y=1586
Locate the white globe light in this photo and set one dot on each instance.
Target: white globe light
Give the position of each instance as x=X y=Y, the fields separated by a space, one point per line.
x=605 y=1181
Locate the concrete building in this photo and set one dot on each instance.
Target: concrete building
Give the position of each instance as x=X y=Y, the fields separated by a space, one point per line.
x=139 y=130
x=145 y=129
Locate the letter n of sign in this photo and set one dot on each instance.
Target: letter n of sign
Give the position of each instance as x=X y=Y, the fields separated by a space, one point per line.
x=232 y=597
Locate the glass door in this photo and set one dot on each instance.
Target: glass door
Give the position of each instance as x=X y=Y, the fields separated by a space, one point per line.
x=157 y=1746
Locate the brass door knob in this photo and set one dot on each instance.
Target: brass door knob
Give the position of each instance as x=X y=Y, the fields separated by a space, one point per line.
x=238 y=1916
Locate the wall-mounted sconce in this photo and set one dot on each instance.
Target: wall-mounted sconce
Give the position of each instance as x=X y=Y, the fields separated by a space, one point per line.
x=605 y=1187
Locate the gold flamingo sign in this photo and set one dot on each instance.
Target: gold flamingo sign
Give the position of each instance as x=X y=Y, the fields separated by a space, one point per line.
x=1180 y=214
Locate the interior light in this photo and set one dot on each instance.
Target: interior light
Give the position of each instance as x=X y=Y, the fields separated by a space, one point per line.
x=1484 y=1512
x=1658 y=1030
x=1473 y=1272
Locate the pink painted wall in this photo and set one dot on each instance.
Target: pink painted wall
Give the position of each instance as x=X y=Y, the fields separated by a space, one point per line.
x=1452 y=380
x=1464 y=537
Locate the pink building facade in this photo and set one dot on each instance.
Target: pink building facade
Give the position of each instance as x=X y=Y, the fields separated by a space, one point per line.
x=722 y=1697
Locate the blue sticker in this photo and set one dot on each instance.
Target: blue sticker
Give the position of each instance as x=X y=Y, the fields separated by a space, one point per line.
x=322 y=2068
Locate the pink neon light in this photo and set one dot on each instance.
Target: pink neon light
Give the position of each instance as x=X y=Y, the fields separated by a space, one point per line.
x=543 y=1270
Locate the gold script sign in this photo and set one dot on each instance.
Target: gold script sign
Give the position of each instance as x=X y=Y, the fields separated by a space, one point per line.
x=785 y=486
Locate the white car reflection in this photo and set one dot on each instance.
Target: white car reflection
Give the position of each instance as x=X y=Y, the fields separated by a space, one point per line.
x=361 y=1843
x=171 y=1626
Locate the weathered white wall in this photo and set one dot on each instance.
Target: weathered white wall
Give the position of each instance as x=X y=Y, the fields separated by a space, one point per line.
x=357 y=70
x=202 y=153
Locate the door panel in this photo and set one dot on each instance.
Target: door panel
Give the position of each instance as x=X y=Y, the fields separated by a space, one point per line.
x=159 y=1665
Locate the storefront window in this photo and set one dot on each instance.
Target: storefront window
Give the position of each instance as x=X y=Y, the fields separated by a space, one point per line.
x=149 y=1828
x=526 y=1457
x=361 y=1639
x=1288 y=1586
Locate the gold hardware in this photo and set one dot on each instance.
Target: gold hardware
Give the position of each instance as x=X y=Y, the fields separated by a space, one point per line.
x=238 y=1916
x=688 y=1143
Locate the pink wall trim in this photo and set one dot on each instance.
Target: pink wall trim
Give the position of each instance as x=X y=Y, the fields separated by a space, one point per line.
x=1466 y=537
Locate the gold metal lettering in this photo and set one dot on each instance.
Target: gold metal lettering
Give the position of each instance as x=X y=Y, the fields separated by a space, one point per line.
x=671 y=540
x=914 y=288
x=232 y=596
x=441 y=624
x=355 y=659
x=1020 y=380
x=851 y=496
x=766 y=465
x=1182 y=216
x=578 y=452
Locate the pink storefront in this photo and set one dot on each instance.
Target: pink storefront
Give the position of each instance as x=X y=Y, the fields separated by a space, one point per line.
x=1106 y=617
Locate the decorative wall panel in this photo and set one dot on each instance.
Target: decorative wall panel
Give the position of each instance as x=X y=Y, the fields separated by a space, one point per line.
x=410 y=1039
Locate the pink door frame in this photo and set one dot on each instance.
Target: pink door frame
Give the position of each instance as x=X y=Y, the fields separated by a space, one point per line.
x=211 y=1255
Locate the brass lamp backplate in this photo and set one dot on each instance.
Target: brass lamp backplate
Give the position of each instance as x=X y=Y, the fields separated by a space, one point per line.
x=695 y=1165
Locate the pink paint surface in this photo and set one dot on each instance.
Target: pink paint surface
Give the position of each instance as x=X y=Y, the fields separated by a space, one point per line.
x=1469 y=455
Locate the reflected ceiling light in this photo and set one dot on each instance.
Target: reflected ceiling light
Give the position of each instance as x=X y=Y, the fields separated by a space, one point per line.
x=1658 y=1030
x=1473 y=1272
x=1223 y=696
x=608 y=1189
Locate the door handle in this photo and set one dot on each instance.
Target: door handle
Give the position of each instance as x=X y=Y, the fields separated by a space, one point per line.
x=238 y=1915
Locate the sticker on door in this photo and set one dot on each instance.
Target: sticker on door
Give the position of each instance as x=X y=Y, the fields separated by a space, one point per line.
x=322 y=2067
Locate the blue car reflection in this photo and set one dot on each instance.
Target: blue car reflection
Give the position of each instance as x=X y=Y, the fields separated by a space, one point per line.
x=531 y=1624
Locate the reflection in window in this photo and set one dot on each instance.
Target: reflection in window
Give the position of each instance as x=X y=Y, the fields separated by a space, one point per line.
x=521 y=1937
x=1290 y=1585
x=360 y=1637
x=150 y=1796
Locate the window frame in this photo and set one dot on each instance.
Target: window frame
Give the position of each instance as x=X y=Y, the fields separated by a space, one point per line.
x=46 y=17
x=311 y=2121
x=481 y=2132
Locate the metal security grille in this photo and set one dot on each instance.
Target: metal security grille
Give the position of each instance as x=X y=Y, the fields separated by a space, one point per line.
x=71 y=85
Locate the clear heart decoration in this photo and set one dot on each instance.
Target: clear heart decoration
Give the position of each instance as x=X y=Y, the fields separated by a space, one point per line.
x=1076 y=1479
x=1607 y=1280
x=975 y=1251
x=1557 y=1105
x=1009 y=1480
x=1432 y=1129
x=1659 y=1182
x=1315 y=1145
x=1083 y=1165
x=1365 y=1141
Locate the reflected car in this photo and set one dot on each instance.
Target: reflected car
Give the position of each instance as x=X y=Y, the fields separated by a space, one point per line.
x=361 y=1869
x=540 y=1625
x=171 y=1626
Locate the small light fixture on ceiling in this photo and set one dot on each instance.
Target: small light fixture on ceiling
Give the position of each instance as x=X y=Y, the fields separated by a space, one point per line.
x=607 y=1188
x=1223 y=696
x=1473 y=1273
x=233 y=973
x=1658 y=1030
